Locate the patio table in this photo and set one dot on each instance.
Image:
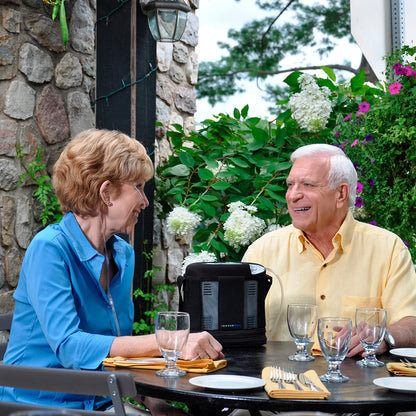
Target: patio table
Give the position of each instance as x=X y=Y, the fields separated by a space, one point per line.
x=359 y=395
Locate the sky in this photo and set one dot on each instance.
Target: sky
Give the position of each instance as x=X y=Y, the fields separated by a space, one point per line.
x=216 y=17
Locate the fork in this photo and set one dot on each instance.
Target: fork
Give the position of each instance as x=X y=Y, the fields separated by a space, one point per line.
x=276 y=376
x=408 y=363
x=289 y=377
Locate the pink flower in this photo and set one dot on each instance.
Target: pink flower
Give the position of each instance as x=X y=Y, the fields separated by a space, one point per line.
x=360 y=187
x=409 y=71
x=397 y=67
x=347 y=118
x=354 y=142
x=364 y=107
x=395 y=88
x=337 y=134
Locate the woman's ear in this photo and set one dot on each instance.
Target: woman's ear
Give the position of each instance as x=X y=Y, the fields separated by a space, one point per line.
x=105 y=193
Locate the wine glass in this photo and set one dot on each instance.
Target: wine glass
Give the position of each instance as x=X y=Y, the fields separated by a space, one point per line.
x=301 y=320
x=172 y=330
x=371 y=326
x=334 y=335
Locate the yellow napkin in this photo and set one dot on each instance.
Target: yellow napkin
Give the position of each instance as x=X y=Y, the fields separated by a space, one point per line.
x=400 y=369
x=150 y=363
x=289 y=392
x=316 y=349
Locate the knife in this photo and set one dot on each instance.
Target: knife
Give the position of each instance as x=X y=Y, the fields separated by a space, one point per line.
x=308 y=382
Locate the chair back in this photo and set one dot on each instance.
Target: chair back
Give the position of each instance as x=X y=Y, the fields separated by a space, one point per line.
x=61 y=380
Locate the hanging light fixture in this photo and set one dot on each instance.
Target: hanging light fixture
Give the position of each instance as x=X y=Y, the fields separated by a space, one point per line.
x=167 y=19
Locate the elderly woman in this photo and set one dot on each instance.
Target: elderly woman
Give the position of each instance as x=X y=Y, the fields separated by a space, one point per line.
x=73 y=303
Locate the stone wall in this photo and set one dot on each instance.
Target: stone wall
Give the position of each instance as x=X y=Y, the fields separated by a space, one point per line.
x=46 y=93
x=175 y=104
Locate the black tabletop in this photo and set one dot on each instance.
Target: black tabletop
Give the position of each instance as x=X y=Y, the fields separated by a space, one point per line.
x=359 y=395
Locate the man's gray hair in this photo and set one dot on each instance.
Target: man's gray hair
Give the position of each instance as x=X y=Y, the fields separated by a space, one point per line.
x=341 y=169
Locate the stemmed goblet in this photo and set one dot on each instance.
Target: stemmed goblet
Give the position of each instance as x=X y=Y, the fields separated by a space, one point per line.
x=172 y=331
x=371 y=327
x=301 y=320
x=334 y=335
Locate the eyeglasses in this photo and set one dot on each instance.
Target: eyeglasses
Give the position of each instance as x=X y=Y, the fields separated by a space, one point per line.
x=140 y=192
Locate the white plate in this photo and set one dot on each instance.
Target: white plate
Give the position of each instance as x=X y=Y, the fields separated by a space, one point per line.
x=227 y=382
x=141 y=361
x=404 y=352
x=399 y=384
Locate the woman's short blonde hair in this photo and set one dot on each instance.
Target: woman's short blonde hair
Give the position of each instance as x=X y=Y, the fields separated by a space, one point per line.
x=91 y=158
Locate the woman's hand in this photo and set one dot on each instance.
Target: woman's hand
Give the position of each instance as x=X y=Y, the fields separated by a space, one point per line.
x=202 y=345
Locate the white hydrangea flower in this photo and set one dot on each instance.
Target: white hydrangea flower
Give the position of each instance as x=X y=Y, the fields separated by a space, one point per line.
x=222 y=167
x=271 y=226
x=181 y=221
x=203 y=256
x=241 y=227
x=311 y=107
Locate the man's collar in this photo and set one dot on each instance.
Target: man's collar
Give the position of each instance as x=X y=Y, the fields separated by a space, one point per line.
x=341 y=239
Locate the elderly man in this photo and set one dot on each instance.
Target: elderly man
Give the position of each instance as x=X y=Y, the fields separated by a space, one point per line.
x=328 y=258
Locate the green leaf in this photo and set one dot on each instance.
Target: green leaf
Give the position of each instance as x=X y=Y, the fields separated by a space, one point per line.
x=208 y=209
x=209 y=198
x=265 y=204
x=329 y=72
x=244 y=111
x=187 y=159
x=276 y=197
x=358 y=81
x=239 y=162
x=55 y=11
x=179 y=170
x=237 y=114
x=205 y=174
x=218 y=245
x=292 y=79
x=260 y=134
x=62 y=21
x=221 y=186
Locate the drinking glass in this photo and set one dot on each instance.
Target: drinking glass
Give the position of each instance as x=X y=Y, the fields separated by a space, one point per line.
x=172 y=330
x=301 y=320
x=334 y=335
x=371 y=326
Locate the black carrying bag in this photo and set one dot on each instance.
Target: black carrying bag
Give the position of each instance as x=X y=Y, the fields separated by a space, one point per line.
x=227 y=300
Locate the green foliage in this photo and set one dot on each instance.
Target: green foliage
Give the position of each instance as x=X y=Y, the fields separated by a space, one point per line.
x=44 y=193
x=230 y=159
x=242 y=158
x=258 y=50
x=59 y=7
x=382 y=143
x=146 y=323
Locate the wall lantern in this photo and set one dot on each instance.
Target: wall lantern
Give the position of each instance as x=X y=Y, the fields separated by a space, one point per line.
x=167 y=19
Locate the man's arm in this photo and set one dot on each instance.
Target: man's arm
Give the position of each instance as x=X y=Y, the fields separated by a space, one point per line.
x=403 y=331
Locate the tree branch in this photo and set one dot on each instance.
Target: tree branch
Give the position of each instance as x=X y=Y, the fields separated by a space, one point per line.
x=274 y=21
x=282 y=71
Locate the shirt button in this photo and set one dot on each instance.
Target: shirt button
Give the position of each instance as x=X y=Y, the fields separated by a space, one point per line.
x=323 y=297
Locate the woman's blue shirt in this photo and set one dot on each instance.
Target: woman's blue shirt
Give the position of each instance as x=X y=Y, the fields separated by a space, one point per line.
x=62 y=316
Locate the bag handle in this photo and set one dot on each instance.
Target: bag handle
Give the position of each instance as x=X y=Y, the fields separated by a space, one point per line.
x=281 y=294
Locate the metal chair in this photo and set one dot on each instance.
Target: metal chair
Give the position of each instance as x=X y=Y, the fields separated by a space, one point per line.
x=61 y=380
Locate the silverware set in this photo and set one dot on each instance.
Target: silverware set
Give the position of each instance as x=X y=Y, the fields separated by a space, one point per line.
x=278 y=375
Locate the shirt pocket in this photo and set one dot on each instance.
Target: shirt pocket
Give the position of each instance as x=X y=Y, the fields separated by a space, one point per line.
x=350 y=303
